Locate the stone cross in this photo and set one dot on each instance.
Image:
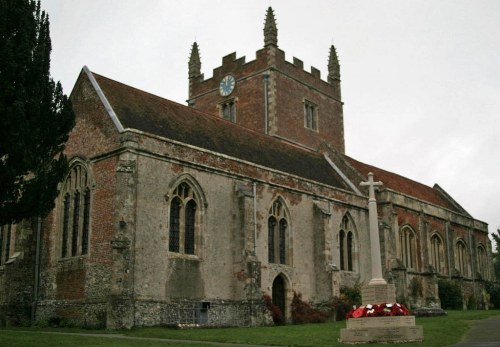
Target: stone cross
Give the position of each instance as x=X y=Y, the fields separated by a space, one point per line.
x=374 y=237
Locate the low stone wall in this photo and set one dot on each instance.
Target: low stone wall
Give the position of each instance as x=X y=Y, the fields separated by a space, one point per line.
x=203 y=313
x=83 y=313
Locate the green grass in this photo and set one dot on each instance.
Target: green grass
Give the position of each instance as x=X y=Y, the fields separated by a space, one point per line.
x=438 y=331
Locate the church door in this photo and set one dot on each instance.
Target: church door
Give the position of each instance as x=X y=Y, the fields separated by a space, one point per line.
x=279 y=294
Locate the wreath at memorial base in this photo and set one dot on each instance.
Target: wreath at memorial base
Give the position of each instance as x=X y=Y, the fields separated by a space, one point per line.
x=379 y=310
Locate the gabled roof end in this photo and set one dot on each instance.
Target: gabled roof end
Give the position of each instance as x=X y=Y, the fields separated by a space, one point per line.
x=103 y=99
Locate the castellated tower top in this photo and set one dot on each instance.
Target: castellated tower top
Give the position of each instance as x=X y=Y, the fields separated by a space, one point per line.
x=271 y=95
x=270 y=29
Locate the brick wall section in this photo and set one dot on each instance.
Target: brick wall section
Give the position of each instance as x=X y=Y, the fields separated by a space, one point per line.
x=71 y=284
x=94 y=132
x=79 y=281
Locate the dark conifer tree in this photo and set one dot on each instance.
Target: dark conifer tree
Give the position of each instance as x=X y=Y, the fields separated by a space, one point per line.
x=496 y=254
x=35 y=115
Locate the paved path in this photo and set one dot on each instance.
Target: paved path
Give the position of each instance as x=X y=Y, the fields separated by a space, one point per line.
x=484 y=333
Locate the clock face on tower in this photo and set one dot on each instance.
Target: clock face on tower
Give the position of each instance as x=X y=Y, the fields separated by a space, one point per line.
x=226 y=86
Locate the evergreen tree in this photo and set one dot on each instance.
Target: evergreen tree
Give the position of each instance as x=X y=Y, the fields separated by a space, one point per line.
x=496 y=254
x=35 y=115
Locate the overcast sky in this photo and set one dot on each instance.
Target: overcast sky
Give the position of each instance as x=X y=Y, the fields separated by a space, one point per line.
x=420 y=79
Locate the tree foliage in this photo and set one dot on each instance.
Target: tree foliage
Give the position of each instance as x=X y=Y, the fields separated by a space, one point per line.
x=36 y=116
x=496 y=254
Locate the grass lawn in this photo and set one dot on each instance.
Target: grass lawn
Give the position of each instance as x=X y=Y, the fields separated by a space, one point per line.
x=438 y=331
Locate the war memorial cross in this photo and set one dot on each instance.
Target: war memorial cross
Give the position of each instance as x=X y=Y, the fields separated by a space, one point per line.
x=374 y=237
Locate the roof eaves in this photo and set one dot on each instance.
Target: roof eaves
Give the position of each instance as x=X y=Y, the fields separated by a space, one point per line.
x=243 y=161
x=104 y=100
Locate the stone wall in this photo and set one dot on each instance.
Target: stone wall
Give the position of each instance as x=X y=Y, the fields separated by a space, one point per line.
x=212 y=313
x=81 y=313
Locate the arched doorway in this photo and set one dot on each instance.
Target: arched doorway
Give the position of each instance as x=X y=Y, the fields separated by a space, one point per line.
x=279 y=297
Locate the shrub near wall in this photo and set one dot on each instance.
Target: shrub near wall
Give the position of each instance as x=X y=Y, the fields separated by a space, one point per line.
x=348 y=298
x=274 y=310
x=450 y=294
x=302 y=312
x=493 y=290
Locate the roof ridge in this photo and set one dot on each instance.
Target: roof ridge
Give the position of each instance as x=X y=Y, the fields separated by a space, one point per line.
x=212 y=116
x=389 y=172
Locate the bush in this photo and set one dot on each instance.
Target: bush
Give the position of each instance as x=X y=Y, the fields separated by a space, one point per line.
x=450 y=294
x=303 y=312
x=493 y=290
x=342 y=304
x=275 y=311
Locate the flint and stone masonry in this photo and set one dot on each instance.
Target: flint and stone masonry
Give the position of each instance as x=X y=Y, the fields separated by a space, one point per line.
x=176 y=214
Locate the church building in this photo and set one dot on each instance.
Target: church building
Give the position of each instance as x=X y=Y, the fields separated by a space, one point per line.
x=189 y=214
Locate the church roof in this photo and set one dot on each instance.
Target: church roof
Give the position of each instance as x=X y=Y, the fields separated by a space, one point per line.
x=406 y=186
x=136 y=109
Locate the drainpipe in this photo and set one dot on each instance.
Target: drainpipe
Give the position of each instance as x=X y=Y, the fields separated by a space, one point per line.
x=266 y=102
x=254 y=217
x=37 y=269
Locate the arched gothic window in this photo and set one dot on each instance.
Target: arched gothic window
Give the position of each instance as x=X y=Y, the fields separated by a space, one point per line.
x=462 y=258
x=75 y=212
x=346 y=245
x=482 y=265
x=437 y=253
x=277 y=225
x=183 y=220
x=408 y=246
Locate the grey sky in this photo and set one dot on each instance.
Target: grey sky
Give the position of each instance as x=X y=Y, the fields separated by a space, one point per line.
x=420 y=79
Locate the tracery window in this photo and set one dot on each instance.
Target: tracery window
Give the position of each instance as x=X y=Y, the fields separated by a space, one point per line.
x=75 y=212
x=408 y=247
x=437 y=253
x=277 y=224
x=482 y=265
x=346 y=245
x=183 y=220
x=5 y=237
x=462 y=258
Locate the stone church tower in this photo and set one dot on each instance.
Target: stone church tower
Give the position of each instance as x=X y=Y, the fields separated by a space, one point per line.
x=176 y=214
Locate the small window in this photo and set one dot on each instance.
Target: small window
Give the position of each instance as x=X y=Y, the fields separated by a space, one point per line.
x=408 y=246
x=346 y=245
x=310 y=115
x=482 y=267
x=462 y=258
x=227 y=110
x=437 y=253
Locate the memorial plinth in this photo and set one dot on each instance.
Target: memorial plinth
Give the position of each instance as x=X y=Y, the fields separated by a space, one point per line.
x=379 y=328
x=378 y=293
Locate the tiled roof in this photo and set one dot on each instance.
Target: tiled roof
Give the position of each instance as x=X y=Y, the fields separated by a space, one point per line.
x=404 y=185
x=139 y=110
